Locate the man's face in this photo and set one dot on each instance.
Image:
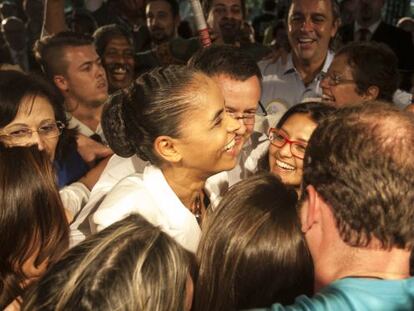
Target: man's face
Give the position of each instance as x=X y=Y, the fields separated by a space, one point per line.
x=310 y=28
x=85 y=79
x=119 y=63
x=225 y=18
x=369 y=11
x=241 y=99
x=160 y=21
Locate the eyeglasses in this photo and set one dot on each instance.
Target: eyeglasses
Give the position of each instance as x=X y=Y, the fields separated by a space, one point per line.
x=248 y=118
x=279 y=138
x=21 y=134
x=334 y=80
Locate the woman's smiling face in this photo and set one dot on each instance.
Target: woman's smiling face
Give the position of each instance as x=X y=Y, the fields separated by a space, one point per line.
x=298 y=127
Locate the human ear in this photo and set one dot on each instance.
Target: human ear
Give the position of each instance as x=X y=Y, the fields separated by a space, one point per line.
x=310 y=211
x=165 y=147
x=371 y=93
x=60 y=82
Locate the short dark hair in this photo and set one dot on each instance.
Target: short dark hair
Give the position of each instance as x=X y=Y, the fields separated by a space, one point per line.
x=15 y=86
x=360 y=161
x=154 y=105
x=207 y=6
x=227 y=60
x=175 y=9
x=32 y=217
x=252 y=252
x=373 y=64
x=49 y=51
x=104 y=34
x=131 y=265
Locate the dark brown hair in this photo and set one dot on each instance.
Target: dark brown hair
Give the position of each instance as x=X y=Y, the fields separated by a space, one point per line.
x=32 y=218
x=252 y=252
x=360 y=161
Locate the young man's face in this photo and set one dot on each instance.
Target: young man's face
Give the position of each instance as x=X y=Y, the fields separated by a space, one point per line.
x=161 y=22
x=225 y=18
x=311 y=26
x=119 y=63
x=85 y=78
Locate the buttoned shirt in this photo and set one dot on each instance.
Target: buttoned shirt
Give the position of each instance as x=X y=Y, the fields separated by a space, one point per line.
x=283 y=84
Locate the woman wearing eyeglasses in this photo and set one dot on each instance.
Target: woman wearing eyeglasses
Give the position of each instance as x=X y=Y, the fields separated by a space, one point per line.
x=32 y=113
x=361 y=71
x=289 y=139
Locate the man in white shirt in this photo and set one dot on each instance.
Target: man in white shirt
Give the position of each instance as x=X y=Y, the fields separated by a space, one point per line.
x=311 y=26
x=70 y=61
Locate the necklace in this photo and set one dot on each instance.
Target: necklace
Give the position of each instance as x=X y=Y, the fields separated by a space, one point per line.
x=197 y=209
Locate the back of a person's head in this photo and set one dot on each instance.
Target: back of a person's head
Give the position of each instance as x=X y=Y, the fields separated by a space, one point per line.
x=252 y=252
x=226 y=60
x=359 y=160
x=33 y=225
x=131 y=265
x=50 y=51
x=373 y=64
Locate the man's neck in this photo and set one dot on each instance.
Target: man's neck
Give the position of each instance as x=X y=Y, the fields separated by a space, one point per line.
x=87 y=114
x=308 y=70
x=361 y=262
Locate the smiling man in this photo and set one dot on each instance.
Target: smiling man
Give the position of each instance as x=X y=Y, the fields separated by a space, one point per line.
x=115 y=45
x=312 y=25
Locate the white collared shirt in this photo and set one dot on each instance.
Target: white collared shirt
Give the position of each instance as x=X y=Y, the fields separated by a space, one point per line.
x=283 y=84
x=84 y=129
x=150 y=195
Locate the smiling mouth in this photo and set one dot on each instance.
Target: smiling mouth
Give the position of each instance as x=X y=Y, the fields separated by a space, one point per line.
x=285 y=166
x=230 y=145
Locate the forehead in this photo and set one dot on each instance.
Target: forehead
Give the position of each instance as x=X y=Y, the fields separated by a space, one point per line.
x=311 y=7
x=299 y=126
x=77 y=55
x=240 y=96
x=228 y=3
x=34 y=109
x=340 y=64
x=118 y=42
x=158 y=5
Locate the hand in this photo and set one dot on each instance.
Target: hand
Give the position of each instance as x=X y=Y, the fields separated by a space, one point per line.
x=92 y=151
x=91 y=177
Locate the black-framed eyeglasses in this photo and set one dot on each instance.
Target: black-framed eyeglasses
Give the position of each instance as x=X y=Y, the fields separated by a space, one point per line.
x=335 y=79
x=21 y=134
x=279 y=138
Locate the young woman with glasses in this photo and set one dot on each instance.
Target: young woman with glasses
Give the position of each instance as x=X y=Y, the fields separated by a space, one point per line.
x=173 y=117
x=288 y=141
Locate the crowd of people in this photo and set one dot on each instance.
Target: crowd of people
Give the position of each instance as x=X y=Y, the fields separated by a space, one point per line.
x=139 y=170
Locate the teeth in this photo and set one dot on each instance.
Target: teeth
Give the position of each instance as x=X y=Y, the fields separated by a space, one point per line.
x=305 y=40
x=120 y=70
x=285 y=165
x=327 y=98
x=230 y=145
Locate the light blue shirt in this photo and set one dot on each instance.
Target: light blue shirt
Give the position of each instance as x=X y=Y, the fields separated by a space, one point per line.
x=356 y=294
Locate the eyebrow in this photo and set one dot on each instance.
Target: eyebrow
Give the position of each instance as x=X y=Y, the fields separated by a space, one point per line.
x=217 y=115
x=298 y=139
x=89 y=62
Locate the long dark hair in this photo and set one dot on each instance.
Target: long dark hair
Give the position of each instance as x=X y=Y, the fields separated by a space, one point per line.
x=15 y=86
x=252 y=252
x=32 y=218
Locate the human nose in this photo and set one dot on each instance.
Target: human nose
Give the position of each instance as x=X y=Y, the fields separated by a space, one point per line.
x=37 y=139
x=234 y=125
x=307 y=25
x=285 y=150
x=325 y=82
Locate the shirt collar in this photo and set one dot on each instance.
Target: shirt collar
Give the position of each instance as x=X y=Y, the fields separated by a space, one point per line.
x=371 y=28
